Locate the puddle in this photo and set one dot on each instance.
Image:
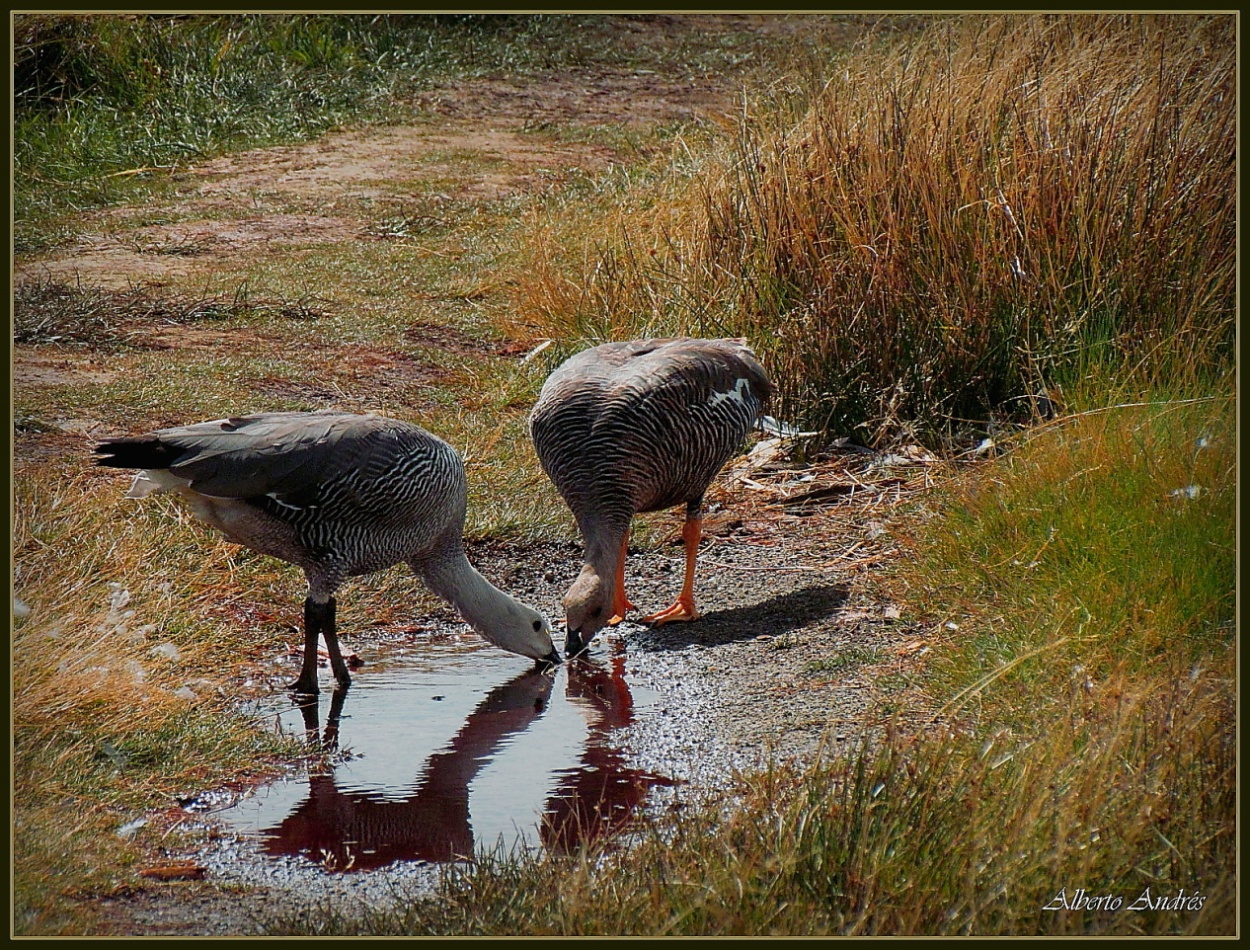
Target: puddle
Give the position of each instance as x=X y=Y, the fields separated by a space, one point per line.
x=455 y=750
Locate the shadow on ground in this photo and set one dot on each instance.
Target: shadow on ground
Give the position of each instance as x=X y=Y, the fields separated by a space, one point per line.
x=773 y=617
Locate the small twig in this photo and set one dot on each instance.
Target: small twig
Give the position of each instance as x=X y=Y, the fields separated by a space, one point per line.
x=741 y=567
x=140 y=171
x=851 y=550
x=172 y=828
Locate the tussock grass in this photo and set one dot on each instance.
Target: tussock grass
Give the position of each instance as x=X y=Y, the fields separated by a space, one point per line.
x=952 y=229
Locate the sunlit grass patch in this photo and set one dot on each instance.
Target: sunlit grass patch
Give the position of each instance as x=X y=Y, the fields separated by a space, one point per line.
x=123 y=696
x=109 y=105
x=1106 y=547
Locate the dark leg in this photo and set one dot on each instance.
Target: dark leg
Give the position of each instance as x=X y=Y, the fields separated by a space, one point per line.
x=315 y=617
x=308 y=710
x=337 y=663
x=330 y=742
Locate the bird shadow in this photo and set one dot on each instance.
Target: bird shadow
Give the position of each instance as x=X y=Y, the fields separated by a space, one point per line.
x=773 y=617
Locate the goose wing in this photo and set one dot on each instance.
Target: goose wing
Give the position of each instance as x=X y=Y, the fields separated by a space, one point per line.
x=293 y=457
x=689 y=370
x=674 y=377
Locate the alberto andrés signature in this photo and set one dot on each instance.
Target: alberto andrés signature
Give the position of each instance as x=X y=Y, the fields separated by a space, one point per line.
x=1080 y=899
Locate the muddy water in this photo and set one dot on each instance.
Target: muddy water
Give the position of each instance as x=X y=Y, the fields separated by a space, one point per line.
x=434 y=757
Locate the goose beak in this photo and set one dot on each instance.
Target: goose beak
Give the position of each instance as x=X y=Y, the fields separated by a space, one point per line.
x=573 y=643
x=553 y=658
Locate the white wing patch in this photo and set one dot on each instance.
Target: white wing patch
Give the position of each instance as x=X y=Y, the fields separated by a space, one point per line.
x=286 y=504
x=142 y=486
x=739 y=394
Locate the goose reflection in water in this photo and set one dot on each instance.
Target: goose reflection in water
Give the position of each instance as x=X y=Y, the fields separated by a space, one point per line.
x=354 y=830
x=597 y=798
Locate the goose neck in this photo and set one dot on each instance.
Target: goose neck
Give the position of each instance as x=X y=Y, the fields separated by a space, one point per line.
x=481 y=603
x=603 y=547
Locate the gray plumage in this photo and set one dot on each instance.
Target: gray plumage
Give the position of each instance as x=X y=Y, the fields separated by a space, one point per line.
x=339 y=495
x=638 y=426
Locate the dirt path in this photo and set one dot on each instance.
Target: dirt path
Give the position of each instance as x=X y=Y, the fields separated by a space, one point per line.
x=792 y=651
x=475 y=141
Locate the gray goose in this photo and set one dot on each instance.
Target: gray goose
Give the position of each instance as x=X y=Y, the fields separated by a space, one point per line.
x=638 y=426
x=339 y=495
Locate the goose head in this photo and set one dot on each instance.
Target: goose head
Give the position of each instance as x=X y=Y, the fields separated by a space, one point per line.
x=523 y=630
x=587 y=609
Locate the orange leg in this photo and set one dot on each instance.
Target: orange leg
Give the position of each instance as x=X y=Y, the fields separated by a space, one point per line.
x=620 y=603
x=683 y=608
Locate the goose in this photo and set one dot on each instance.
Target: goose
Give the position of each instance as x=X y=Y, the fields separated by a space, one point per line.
x=631 y=427
x=339 y=495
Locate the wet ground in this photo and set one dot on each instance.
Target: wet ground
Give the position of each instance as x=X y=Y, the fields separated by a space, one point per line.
x=444 y=745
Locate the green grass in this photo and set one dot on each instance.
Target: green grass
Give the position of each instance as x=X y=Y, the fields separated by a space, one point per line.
x=845 y=659
x=1061 y=554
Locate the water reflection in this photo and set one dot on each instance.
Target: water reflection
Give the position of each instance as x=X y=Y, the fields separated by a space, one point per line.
x=345 y=827
x=598 y=797
x=355 y=830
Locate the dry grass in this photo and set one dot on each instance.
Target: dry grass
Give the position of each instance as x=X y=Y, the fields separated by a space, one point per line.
x=122 y=696
x=951 y=230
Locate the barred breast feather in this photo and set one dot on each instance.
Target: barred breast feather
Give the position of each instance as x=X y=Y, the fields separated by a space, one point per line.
x=637 y=426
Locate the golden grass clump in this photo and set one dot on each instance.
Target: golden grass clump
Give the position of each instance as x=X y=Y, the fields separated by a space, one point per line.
x=120 y=695
x=955 y=226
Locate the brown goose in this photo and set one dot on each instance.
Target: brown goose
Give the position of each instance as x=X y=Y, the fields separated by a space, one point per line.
x=625 y=428
x=339 y=495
